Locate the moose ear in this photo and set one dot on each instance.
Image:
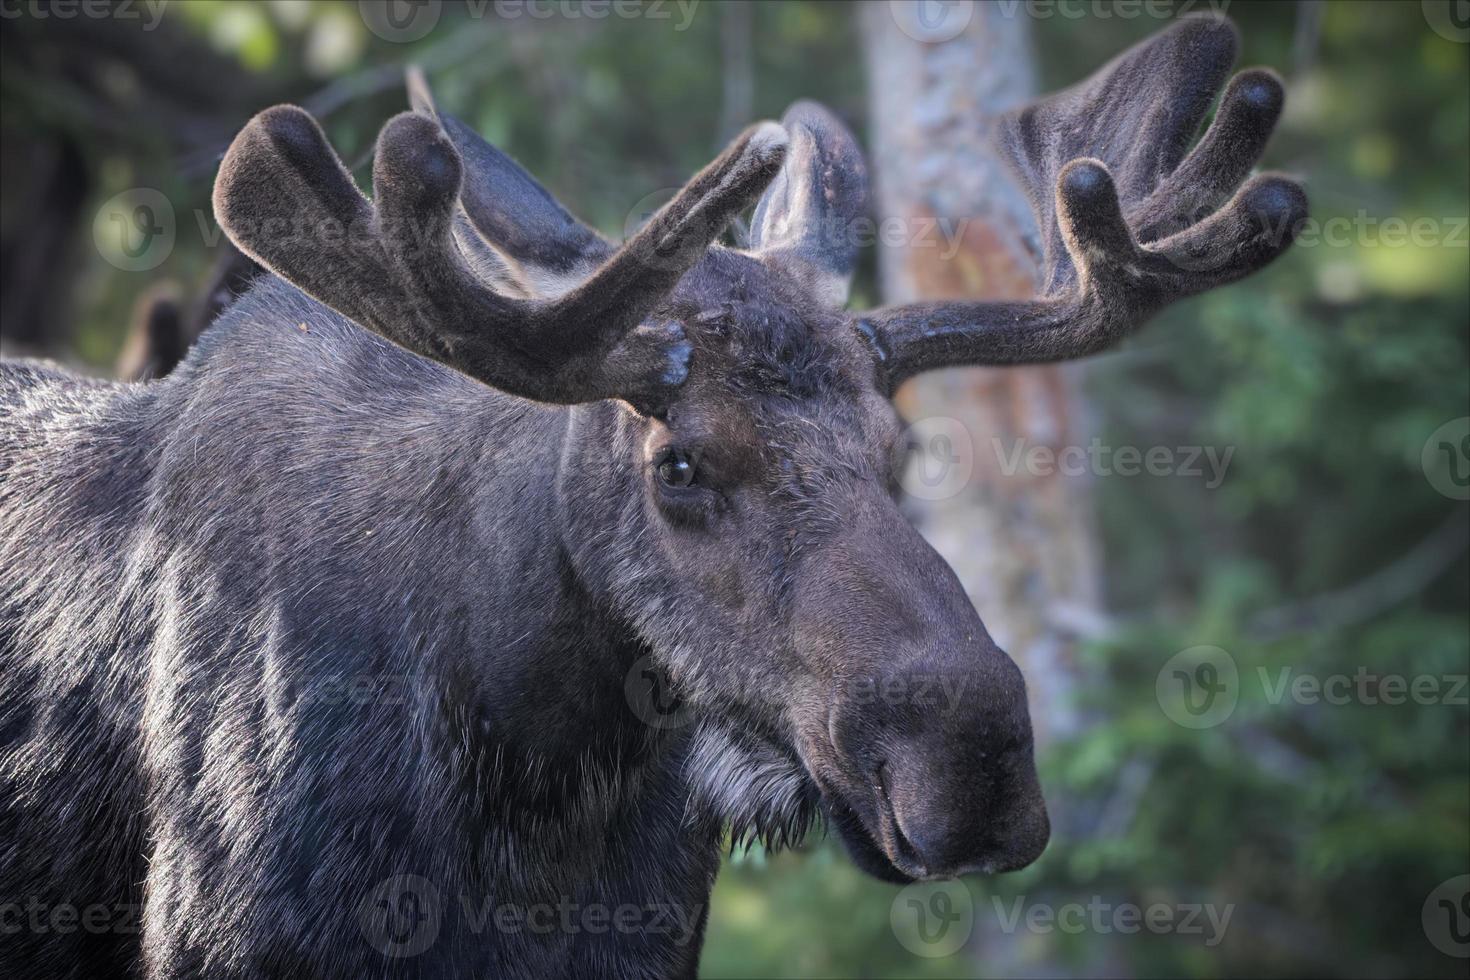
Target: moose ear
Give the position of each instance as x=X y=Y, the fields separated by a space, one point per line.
x=805 y=222
x=540 y=247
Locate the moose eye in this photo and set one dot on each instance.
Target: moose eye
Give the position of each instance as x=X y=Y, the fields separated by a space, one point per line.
x=676 y=470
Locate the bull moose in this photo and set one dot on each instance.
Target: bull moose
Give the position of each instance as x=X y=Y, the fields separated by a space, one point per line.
x=315 y=654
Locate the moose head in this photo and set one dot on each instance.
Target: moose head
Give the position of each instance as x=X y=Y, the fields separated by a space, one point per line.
x=729 y=451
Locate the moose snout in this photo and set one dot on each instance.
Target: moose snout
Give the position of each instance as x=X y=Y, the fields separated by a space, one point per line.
x=925 y=754
x=946 y=757
x=956 y=815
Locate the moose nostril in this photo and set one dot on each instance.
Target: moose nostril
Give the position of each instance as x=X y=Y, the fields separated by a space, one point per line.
x=911 y=853
x=885 y=798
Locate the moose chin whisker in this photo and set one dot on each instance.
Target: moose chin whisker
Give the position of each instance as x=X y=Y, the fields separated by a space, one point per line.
x=750 y=785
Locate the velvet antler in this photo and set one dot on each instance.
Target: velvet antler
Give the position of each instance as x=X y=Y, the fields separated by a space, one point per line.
x=398 y=265
x=1128 y=221
x=537 y=248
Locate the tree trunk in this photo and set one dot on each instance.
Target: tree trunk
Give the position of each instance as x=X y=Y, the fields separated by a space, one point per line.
x=1022 y=543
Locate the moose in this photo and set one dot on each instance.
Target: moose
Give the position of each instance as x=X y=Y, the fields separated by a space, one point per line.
x=315 y=653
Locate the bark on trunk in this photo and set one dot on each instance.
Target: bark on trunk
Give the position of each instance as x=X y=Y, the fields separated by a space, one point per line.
x=1023 y=543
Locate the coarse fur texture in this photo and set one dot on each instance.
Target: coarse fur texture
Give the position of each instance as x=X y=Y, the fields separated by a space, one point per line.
x=291 y=716
x=333 y=655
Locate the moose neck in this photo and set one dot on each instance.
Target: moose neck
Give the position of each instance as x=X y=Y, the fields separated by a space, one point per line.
x=550 y=659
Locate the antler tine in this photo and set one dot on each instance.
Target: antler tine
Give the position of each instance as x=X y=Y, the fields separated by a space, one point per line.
x=1230 y=147
x=285 y=199
x=513 y=214
x=416 y=177
x=1121 y=283
x=1125 y=213
x=396 y=269
x=655 y=258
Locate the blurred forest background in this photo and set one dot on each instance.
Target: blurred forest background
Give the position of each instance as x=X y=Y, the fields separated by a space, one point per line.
x=1335 y=544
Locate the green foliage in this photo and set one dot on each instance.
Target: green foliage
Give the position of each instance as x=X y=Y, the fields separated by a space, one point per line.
x=1327 y=825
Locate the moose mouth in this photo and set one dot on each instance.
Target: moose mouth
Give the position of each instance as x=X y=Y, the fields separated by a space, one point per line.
x=882 y=851
x=764 y=789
